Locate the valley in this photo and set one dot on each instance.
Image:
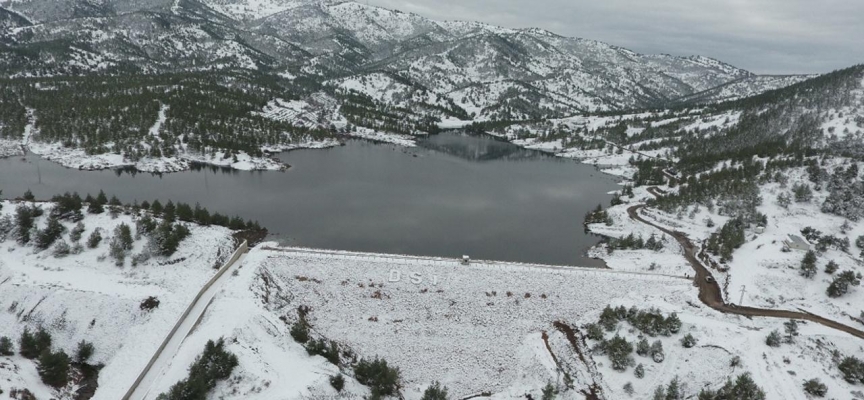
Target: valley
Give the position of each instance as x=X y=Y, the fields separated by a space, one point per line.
x=317 y=199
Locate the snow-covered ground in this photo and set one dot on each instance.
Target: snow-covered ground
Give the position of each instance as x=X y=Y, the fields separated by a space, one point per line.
x=481 y=328
x=770 y=278
x=272 y=365
x=772 y=281
x=767 y=276
x=79 y=159
x=475 y=328
x=721 y=338
x=86 y=297
x=9 y=148
x=306 y=113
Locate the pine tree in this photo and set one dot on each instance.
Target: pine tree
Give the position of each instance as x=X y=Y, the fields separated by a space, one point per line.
x=673 y=323
x=831 y=267
x=94 y=206
x=657 y=351
x=659 y=393
x=594 y=332
x=115 y=250
x=114 y=206
x=735 y=361
x=808 y=265
x=338 y=382
x=6 y=346
x=852 y=369
x=783 y=200
x=628 y=388
x=184 y=212
x=803 y=193
x=639 y=372
x=54 y=368
x=124 y=235
x=651 y=242
x=381 y=378
x=25 y=218
x=237 y=223
x=619 y=349
x=84 y=351
x=608 y=319
x=61 y=249
x=201 y=215
x=94 y=239
x=673 y=391
x=816 y=388
x=841 y=283
x=27 y=344
x=791 y=328
x=549 y=393
x=773 y=339
x=642 y=347
x=77 y=231
x=744 y=388
x=169 y=213
x=31 y=345
x=102 y=199
x=156 y=208
x=436 y=392
x=46 y=237
x=688 y=341
x=300 y=332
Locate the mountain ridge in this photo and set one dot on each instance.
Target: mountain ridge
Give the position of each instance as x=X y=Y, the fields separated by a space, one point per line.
x=497 y=72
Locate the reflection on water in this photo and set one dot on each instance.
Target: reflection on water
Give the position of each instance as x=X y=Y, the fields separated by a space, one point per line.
x=454 y=195
x=481 y=148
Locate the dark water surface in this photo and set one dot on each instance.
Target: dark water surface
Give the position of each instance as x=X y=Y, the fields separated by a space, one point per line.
x=454 y=195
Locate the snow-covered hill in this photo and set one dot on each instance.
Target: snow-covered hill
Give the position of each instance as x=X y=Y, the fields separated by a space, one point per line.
x=490 y=67
x=85 y=296
x=490 y=72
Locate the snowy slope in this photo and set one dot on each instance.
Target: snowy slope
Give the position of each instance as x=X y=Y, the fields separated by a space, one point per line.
x=86 y=297
x=459 y=325
x=743 y=88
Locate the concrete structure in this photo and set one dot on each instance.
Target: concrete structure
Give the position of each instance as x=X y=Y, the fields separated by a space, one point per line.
x=795 y=242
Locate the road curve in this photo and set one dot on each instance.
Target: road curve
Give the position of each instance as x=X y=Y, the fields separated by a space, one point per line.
x=710 y=293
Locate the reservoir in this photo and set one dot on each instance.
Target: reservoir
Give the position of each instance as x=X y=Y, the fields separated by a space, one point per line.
x=454 y=194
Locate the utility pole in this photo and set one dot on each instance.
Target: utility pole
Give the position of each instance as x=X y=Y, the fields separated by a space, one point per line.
x=741 y=301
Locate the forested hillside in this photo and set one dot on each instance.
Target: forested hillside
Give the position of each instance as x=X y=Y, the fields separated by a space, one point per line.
x=386 y=71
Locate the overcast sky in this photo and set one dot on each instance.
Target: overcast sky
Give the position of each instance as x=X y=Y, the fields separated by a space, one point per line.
x=763 y=36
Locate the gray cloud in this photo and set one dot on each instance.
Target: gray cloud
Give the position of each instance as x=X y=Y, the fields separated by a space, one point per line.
x=763 y=36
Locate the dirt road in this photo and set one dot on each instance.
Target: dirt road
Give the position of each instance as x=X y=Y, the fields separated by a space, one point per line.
x=710 y=293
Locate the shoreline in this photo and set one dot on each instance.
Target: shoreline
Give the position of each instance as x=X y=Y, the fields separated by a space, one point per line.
x=74 y=159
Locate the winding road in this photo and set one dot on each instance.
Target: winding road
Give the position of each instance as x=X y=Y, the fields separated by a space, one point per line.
x=709 y=291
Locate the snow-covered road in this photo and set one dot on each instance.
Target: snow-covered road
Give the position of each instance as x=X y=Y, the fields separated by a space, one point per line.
x=155 y=370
